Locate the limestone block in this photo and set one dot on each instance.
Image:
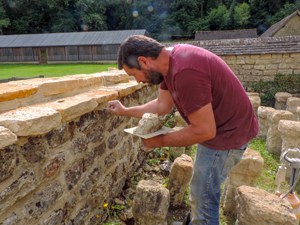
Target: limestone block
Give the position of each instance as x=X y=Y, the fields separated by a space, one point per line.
x=180 y=176
x=281 y=99
x=256 y=206
x=255 y=101
x=10 y=91
x=292 y=104
x=290 y=133
x=6 y=137
x=101 y=96
x=114 y=77
x=151 y=203
x=253 y=94
x=124 y=89
x=72 y=107
x=263 y=114
x=274 y=141
x=244 y=173
x=68 y=84
x=28 y=121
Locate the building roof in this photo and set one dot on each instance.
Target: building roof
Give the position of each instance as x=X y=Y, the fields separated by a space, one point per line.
x=225 y=34
x=67 y=39
x=286 y=44
x=277 y=26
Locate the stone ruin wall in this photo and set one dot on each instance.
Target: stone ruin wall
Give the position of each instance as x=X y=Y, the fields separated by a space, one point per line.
x=62 y=155
x=63 y=158
x=255 y=67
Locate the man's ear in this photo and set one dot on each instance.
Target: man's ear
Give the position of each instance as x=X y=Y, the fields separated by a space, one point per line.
x=143 y=61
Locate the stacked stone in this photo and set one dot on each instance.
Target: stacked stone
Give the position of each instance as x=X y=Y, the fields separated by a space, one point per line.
x=281 y=100
x=256 y=206
x=180 y=176
x=244 y=173
x=274 y=142
x=150 y=203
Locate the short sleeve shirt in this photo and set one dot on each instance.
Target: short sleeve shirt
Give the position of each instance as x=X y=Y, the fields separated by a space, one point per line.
x=197 y=77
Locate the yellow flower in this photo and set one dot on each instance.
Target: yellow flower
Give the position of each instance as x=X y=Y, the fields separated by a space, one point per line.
x=105 y=205
x=98 y=216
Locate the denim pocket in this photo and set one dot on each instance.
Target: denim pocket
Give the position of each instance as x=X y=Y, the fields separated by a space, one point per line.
x=233 y=158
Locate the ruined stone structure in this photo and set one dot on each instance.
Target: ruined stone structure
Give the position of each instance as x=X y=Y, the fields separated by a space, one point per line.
x=62 y=154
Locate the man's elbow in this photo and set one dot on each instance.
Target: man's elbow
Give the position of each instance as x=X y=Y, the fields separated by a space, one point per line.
x=210 y=134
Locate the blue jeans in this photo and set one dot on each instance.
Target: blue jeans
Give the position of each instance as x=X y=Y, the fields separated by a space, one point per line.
x=210 y=170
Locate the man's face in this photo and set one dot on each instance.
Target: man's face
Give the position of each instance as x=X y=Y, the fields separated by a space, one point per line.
x=153 y=77
x=144 y=75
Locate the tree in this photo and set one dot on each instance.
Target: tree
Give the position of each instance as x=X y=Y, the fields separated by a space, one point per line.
x=241 y=15
x=4 y=20
x=218 y=18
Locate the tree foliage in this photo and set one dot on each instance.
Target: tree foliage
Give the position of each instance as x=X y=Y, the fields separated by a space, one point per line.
x=161 y=18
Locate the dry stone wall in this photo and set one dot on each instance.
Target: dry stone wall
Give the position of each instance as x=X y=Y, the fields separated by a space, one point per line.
x=253 y=59
x=62 y=154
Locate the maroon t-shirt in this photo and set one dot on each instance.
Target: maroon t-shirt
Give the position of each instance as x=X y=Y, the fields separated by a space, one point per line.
x=197 y=77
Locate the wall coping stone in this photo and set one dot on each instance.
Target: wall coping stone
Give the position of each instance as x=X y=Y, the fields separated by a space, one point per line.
x=47 y=103
x=249 y=46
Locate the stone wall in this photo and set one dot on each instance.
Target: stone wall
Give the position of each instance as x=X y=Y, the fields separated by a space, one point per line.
x=253 y=59
x=252 y=68
x=62 y=154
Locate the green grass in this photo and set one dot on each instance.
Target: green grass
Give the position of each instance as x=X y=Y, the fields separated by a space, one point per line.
x=49 y=70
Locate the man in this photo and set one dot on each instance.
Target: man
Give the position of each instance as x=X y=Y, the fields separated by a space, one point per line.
x=208 y=96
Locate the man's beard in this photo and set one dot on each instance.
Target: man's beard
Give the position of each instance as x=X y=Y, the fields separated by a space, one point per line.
x=154 y=77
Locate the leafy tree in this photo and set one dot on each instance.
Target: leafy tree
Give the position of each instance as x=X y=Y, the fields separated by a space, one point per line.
x=241 y=15
x=218 y=18
x=92 y=15
x=286 y=10
x=4 y=20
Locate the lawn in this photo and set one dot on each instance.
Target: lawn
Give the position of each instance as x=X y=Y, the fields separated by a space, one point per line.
x=49 y=70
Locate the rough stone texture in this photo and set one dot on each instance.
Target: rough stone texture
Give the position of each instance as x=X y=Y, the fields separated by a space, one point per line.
x=151 y=203
x=29 y=121
x=281 y=99
x=298 y=113
x=61 y=174
x=179 y=178
x=292 y=104
x=263 y=114
x=6 y=137
x=255 y=101
x=256 y=206
x=290 y=134
x=274 y=141
x=244 y=173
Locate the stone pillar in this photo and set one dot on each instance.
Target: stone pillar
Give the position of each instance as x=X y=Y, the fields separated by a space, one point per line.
x=175 y=152
x=280 y=100
x=244 y=173
x=290 y=133
x=255 y=100
x=151 y=203
x=292 y=104
x=263 y=114
x=180 y=176
x=274 y=141
x=256 y=206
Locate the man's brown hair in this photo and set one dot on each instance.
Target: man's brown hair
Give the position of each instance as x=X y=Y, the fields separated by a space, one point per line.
x=135 y=46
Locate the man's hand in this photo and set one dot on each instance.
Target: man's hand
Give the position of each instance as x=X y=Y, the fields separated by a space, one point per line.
x=116 y=107
x=151 y=143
